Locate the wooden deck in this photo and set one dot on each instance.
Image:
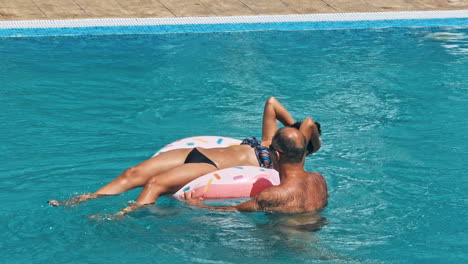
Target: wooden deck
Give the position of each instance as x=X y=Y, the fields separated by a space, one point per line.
x=76 y=9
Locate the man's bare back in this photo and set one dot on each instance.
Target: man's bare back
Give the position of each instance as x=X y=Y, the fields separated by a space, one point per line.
x=304 y=193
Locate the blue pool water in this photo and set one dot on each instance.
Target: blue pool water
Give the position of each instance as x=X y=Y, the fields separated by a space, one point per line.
x=76 y=111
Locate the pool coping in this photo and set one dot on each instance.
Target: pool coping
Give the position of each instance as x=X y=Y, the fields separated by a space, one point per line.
x=233 y=23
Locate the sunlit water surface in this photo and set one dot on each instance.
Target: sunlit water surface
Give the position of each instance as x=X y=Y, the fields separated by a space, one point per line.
x=76 y=111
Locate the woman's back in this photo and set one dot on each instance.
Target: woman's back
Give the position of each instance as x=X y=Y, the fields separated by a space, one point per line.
x=233 y=156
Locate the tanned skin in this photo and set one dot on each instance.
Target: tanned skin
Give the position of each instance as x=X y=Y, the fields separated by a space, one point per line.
x=299 y=190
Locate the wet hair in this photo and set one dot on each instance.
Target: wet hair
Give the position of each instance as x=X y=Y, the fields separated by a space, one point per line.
x=310 y=146
x=291 y=152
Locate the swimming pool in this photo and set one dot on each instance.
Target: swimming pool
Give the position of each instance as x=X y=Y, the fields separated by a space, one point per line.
x=77 y=110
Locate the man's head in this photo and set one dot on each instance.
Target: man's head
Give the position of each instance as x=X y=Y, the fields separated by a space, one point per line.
x=310 y=147
x=290 y=143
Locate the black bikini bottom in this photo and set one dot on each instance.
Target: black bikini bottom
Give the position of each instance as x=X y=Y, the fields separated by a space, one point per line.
x=196 y=156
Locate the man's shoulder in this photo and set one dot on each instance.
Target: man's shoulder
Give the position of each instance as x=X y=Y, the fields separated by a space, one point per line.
x=315 y=182
x=316 y=175
x=318 y=189
x=272 y=197
x=272 y=192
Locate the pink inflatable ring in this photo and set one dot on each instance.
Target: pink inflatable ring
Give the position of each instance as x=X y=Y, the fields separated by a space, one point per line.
x=235 y=182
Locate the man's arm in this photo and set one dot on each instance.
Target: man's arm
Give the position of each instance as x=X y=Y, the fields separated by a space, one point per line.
x=248 y=206
x=264 y=201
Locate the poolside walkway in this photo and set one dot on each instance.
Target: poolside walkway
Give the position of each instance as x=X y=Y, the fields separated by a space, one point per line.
x=75 y=9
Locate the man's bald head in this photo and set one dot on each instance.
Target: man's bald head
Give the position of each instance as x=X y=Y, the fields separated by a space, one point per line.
x=291 y=143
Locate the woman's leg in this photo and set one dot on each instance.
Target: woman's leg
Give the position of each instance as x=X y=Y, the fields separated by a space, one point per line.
x=133 y=177
x=169 y=182
x=140 y=174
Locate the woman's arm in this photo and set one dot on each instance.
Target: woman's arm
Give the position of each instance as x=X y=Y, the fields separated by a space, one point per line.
x=273 y=111
x=310 y=131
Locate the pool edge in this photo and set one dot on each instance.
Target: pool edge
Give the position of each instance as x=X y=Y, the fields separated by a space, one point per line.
x=232 y=23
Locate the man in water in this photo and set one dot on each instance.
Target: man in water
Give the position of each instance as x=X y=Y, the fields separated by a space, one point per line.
x=299 y=190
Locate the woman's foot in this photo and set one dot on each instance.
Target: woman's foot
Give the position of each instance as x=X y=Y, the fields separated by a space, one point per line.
x=54 y=203
x=75 y=200
x=106 y=217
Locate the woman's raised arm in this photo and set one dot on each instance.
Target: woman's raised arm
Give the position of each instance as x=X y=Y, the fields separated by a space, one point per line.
x=311 y=132
x=273 y=111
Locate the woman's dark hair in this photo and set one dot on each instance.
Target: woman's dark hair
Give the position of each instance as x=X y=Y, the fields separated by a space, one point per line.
x=310 y=146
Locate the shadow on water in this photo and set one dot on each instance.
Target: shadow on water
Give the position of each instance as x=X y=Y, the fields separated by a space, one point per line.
x=298 y=223
x=297 y=236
